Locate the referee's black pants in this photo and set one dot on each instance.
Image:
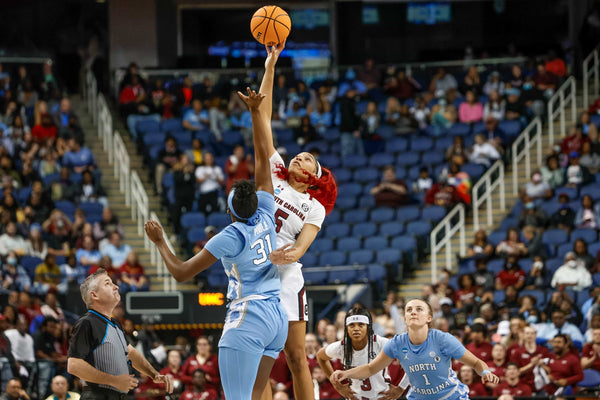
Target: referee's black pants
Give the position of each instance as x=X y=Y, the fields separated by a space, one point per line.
x=102 y=394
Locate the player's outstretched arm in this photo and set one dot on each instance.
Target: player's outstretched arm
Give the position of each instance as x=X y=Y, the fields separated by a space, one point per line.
x=261 y=128
x=480 y=367
x=326 y=366
x=364 y=371
x=181 y=270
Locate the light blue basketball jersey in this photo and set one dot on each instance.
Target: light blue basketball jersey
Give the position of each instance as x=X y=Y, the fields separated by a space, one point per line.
x=429 y=365
x=244 y=251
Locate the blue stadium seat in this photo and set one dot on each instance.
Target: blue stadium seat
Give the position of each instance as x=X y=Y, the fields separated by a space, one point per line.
x=153 y=139
x=408 y=213
x=333 y=217
x=342 y=175
x=396 y=145
x=383 y=214
x=381 y=159
x=408 y=159
x=29 y=263
x=184 y=138
x=284 y=135
x=365 y=175
x=591 y=379
x=376 y=273
x=348 y=244
x=496 y=237
x=218 y=278
x=555 y=237
x=389 y=256
x=593 y=190
x=582 y=297
x=154 y=150
x=495 y=266
x=232 y=138
x=420 y=144
x=363 y=256
x=376 y=243
x=553 y=264
x=192 y=219
x=419 y=228
x=219 y=219
x=593 y=248
x=23 y=195
x=354 y=161
x=588 y=235
x=147 y=125
x=596 y=279
x=499 y=296
x=550 y=206
x=321 y=245
x=413 y=172
x=361 y=106
x=346 y=203
x=474 y=170
x=341 y=276
x=330 y=161
x=171 y=125
x=309 y=260
x=331 y=134
x=349 y=189
x=195 y=234
x=433 y=213
x=539 y=295
x=385 y=131
x=459 y=129
x=314 y=277
x=391 y=229
x=442 y=144
x=332 y=258
x=479 y=127
x=571 y=192
x=355 y=216
x=433 y=157
x=404 y=243
x=511 y=128
x=50 y=178
x=509 y=222
x=563 y=249
x=65 y=206
x=526 y=264
x=337 y=230
x=91 y=208
x=366 y=202
x=364 y=229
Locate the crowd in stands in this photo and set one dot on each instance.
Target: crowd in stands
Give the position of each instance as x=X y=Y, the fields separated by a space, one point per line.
x=56 y=227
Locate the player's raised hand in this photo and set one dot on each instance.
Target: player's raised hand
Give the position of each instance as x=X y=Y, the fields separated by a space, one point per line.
x=490 y=377
x=345 y=391
x=154 y=231
x=394 y=392
x=253 y=99
x=273 y=53
x=281 y=256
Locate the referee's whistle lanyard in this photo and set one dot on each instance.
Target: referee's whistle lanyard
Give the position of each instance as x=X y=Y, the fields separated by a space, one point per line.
x=121 y=336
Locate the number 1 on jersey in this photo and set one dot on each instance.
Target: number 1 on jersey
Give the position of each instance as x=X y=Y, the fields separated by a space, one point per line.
x=426 y=380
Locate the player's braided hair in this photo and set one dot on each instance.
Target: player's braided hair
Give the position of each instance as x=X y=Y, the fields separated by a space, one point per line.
x=244 y=200
x=347 y=342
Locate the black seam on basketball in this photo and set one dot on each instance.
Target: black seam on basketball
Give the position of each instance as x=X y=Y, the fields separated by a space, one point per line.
x=256 y=27
x=267 y=28
x=286 y=27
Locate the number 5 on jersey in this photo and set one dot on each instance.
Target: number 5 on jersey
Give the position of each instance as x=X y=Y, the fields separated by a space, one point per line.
x=280 y=216
x=262 y=250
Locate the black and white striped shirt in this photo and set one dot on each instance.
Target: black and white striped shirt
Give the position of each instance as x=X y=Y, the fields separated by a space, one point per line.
x=100 y=342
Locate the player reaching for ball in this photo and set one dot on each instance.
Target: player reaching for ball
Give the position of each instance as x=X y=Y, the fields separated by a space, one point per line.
x=359 y=347
x=426 y=357
x=304 y=193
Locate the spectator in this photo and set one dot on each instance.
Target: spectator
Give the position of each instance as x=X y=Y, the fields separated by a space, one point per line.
x=483 y=278
x=209 y=232
x=47 y=357
x=196 y=153
x=533 y=242
x=442 y=194
x=14 y=276
x=443 y=85
x=321 y=118
x=210 y=179
x=88 y=190
x=65 y=115
x=116 y=250
x=497 y=364
x=466 y=376
x=479 y=345
x=88 y=255
x=555 y=65
x=532 y=215
x=483 y=153
x=424 y=182
x=576 y=175
x=511 y=246
x=574 y=141
x=564 y=217
x=326 y=389
x=563 y=367
x=173 y=368
x=512 y=386
x=390 y=192
x=72 y=274
x=370 y=120
x=552 y=174
x=588 y=128
x=350 y=125
x=35 y=245
x=558 y=325
x=238 y=166
x=10 y=241
x=132 y=99
x=196 y=119
x=133 y=277
x=465 y=295
x=537 y=188
x=471 y=110
x=420 y=112
x=52 y=309
x=199 y=390
x=312 y=346
x=511 y=275
x=184 y=189
x=8 y=173
x=545 y=80
x=58 y=227
x=14 y=391
x=47 y=275
x=457 y=153
x=78 y=159
x=167 y=157
x=580 y=248
x=402 y=86
x=588 y=216
x=472 y=82
x=590 y=356
x=495 y=108
x=204 y=360
x=443 y=116
x=370 y=75
x=481 y=245
x=589 y=160
x=528 y=356
x=494 y=84
x=572 y=274
x=515 y=108
x=107 y=225
x=23 y=350
x=60 y=390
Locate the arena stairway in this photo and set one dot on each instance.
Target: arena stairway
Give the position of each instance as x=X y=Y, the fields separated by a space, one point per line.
x=116 y=199
x=422 y=275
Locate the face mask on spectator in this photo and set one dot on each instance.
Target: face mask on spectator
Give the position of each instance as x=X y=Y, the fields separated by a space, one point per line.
x=538 y=265
x=536 y=178
x=12 y=260
x=532 y=319
x=572 y=263
x=527 y=86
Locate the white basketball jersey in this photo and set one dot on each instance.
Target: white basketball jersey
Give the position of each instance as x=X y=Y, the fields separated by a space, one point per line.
x=369 y=388
x=293 y=209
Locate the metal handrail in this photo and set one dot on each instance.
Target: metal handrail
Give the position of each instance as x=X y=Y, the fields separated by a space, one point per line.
x=139 y=206
x=528 y=138
x=450 y=229
x=558 y=110
x=593 y=71
x=169 y=283
x=122 y=166
x=492 y=179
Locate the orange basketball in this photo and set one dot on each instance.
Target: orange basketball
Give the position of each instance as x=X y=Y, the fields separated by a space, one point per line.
x=270 y=25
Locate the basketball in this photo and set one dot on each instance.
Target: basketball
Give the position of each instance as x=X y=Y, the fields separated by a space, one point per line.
x=270 y=25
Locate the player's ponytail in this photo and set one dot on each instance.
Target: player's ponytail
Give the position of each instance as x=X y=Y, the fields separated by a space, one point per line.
x=323 y=189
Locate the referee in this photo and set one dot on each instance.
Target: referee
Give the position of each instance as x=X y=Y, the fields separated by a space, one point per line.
x=98 y=352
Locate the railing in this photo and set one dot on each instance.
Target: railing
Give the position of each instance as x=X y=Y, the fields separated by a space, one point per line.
x=488 y=183
x=521 y=148
x=557 y=107
x=588 y=72
x=452 y=223
x=129 y=181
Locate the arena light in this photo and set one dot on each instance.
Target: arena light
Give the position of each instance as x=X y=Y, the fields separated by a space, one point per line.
x=211 y=299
